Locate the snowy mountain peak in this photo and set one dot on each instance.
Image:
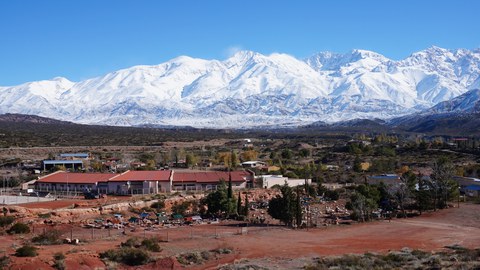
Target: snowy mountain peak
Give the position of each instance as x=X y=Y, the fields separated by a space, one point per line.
x=251 y=89
x=468 y=102
x=362 y=54
x=243 y=56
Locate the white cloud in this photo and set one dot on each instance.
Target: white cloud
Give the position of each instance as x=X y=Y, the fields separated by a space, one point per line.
x=230 y=51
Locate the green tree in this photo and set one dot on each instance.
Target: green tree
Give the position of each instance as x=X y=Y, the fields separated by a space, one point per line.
x=357 y=164
x=283 y=207
x=358 y=206
x=239 y=204
x=233 y=160
x=218 y=202
x=298 y=209
x=364 y=201
x=423 y=196
x=230 y=189
x=304 y=152
x=191 y=160
x=287 y=154
x=246 y=207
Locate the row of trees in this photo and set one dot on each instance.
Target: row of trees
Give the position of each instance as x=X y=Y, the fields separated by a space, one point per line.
x=287 y=207
x=222 y=202
x=414 y=193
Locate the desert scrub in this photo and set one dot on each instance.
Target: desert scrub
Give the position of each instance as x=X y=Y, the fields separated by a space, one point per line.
x=59 y=261
x=4 y=262
x=45 y=215
x=131 y=242
x=190 y=258
x=223 y=251
x=51 y=237
x=6 y=220
x=26 y=251
x=150 y=244
x=19 y=228
x=126 y=255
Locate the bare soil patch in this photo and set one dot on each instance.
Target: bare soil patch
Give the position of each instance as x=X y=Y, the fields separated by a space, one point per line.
x=429 y=232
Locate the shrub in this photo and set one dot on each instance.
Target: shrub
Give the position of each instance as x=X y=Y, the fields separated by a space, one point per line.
x=26 y=251
x=190 y=258
x=332 y=195
x=151 y=245
x=59 y=256
x=131 y=242
x=128 y=256
x=6 y=220
x=223 y=251
x=59 y=261
x=48 y=238
x=158 y=205
x=44 y=215
x=19 y=228
x=4 y=261
x=205 y=255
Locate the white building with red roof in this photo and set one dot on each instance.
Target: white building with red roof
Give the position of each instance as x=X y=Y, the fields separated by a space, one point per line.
x=140 y=182
x=74 y=182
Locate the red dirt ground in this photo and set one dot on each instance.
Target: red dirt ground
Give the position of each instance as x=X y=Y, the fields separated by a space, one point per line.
x=430 y=232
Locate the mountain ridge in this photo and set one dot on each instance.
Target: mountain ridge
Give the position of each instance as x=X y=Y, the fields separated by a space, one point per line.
x=250 y=89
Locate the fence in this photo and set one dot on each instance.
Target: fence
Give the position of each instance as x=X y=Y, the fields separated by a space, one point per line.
x=13 y=199
x=162 y=233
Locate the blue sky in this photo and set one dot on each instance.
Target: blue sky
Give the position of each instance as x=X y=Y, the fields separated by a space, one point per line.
x=80 y=39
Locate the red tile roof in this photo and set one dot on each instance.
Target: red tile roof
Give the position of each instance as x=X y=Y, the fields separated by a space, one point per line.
x=142 y=176
x=76 y=178
x=209 y=177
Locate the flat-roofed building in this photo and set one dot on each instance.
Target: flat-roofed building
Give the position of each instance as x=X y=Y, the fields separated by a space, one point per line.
x=68 y=164
x=209 y=180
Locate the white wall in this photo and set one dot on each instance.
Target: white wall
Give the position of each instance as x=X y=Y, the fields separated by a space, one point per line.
x=271 y=180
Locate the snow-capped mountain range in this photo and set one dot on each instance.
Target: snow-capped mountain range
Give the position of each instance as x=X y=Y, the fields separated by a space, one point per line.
x=253 y=90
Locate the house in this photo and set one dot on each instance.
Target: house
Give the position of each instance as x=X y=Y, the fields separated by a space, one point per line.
x=469 y=186
x=62 y=181
x=388 y=179
x=269 y=181
x=141 y=182
x=209 y=180
x=29 y=186
x=68 y=164
x=253 y=164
